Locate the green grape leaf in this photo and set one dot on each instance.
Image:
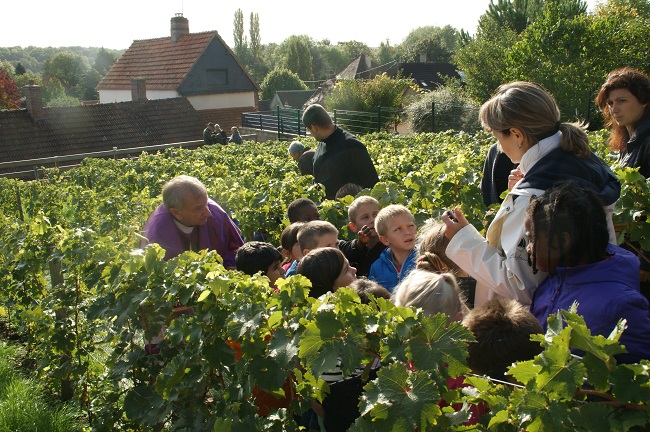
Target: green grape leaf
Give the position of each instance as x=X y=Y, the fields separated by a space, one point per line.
x=560 y=374
x=316 y=346
x=435 y=344
x=401 y=399
x=283 y=346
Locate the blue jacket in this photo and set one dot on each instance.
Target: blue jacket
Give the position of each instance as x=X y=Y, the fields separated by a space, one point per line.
x=606 y=291
x=383 y=270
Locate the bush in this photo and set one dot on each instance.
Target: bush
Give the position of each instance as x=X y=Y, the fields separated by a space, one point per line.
x=453 y=109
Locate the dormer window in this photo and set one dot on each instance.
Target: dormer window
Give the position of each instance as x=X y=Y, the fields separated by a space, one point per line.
x=217 y=77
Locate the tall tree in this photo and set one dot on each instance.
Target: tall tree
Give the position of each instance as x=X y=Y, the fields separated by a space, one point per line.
x=238 y=34
x=255 y=38
x=9 y=96
x=20 y=69
x=298 y=58
x=103 y=61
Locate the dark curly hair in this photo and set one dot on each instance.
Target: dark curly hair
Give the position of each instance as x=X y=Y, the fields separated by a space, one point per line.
x=570 y=208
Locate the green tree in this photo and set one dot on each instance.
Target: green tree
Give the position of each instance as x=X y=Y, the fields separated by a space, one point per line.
x=9 y=96
x=298 y=58
x=20 y=69
x=255 y=38
x=367 y=95
x=241 y=44
x=438 y=43
x=482 y=59
x=104 y=61
x=52 y=89
x=386 y=53
x=67 y=67
x=87 y=86
x=280 y=79
x=352 y=49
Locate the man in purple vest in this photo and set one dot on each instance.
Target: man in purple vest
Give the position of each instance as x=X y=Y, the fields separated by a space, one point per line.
x=188 y=220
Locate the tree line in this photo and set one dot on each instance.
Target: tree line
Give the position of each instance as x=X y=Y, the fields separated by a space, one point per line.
x=556 y=43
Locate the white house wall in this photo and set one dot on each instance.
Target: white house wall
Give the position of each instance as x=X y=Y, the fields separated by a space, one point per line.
x=224 y=100
x=110 y=96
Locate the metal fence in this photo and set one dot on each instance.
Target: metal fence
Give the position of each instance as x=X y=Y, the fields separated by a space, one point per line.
x=287 y=122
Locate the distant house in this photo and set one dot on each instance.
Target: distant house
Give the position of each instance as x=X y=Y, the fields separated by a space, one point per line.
x=290 y=98
x=198 y=66
x=427 y=75
x=362 y=67
x=38 y=132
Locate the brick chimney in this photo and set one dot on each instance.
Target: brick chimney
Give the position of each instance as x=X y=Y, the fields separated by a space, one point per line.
x=138 y=89
x=34 y=102
x=180 y=27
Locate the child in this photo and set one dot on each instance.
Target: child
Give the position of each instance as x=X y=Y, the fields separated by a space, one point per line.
x=314 y=235
x=362 y=213
x=327 y=269
x=433 y=293
x=254 y=257
x=289 y=242
x=364 y=286
x=396 y=228
x=566 y=228
x=302 y=210
x=502 y=328
x=432 y=245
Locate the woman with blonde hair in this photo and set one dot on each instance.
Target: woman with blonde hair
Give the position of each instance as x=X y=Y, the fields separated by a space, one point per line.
x=525 y=120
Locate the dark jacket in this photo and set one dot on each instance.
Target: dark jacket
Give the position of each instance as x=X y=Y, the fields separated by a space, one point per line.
x=340 y=159
x=496 y=170
x=559 y=166
x=208 y=138
x=637 y=149
x=606 y=291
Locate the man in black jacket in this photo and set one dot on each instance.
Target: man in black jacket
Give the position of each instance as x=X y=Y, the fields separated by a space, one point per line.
x=340 y=157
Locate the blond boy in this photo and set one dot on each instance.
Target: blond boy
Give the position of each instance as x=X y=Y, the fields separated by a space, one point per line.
x=314 y=235
x=396 y=228
x=362 y=213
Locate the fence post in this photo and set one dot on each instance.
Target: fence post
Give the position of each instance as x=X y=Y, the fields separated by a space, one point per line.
x=379 y=118
x=299 y=121
x=279 y=121
x=335 y=118
x=433 y=117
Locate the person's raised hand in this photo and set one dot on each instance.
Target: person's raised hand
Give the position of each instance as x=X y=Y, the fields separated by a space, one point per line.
x=366 y=233
x=514 y=177
x=454 y=222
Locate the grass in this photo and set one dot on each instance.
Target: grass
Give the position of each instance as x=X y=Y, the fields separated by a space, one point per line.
x=23 y=405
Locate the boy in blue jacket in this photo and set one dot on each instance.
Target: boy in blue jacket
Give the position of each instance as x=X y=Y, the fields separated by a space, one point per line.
x=396 y=228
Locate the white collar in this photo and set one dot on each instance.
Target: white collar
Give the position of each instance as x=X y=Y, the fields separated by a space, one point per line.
x=186 y=229
x=538 y=151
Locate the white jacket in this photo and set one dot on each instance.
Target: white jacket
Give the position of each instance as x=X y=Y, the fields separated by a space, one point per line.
x=503 y=270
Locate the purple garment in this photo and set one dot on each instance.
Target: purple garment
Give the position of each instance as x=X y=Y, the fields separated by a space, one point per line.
x=606 y=291
x=219 y=233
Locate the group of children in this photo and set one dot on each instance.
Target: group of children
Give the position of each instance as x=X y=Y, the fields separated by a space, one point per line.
x=567 y=237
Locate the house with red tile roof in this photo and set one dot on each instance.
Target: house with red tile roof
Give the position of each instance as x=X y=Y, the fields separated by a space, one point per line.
x=197 y=66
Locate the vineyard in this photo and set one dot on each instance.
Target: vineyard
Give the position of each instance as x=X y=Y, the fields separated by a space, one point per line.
x=83 y=298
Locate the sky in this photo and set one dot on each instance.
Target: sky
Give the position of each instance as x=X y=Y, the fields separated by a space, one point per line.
x=116 y=24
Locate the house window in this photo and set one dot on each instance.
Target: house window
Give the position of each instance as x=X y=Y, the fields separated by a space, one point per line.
x=217 y=76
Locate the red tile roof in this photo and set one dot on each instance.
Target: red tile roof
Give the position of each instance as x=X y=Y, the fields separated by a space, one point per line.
x=83 y=129
x=162 y=63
